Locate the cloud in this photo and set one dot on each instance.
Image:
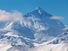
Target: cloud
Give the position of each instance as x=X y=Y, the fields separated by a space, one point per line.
x=10 y=16
x=4 y=16
x=16 y=15
x=66 y=27
x=57 y=17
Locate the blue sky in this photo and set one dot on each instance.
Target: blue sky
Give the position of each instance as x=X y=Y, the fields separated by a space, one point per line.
x=54 y=7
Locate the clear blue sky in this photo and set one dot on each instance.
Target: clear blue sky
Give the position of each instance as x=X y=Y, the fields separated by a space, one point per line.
x=54 y=7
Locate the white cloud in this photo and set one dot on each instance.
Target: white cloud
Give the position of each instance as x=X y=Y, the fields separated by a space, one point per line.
x=16 y=15
x=4 y=16
x=57 y=17
x=66 y=27
x=9 y=16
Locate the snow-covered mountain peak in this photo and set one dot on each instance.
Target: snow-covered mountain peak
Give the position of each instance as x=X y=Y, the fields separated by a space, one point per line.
x=38 y=12
x=37 y=27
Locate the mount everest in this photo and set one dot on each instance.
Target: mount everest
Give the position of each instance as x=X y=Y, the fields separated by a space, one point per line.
x=34 y=31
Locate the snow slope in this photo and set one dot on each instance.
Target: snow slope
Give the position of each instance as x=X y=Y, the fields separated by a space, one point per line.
x=35 y=31
x=51 y=47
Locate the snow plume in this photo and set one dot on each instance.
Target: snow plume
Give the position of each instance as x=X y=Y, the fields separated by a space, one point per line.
x=10 y=16
x=57 y=17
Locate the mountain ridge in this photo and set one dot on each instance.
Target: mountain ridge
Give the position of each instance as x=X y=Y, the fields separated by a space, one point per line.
x=34 y=28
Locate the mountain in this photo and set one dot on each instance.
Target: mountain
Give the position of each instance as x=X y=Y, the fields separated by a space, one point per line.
x=44 y=25
x=38 y=26
x=35 y=29
x=59 y=43
x=63 y=38
x=38 y=12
